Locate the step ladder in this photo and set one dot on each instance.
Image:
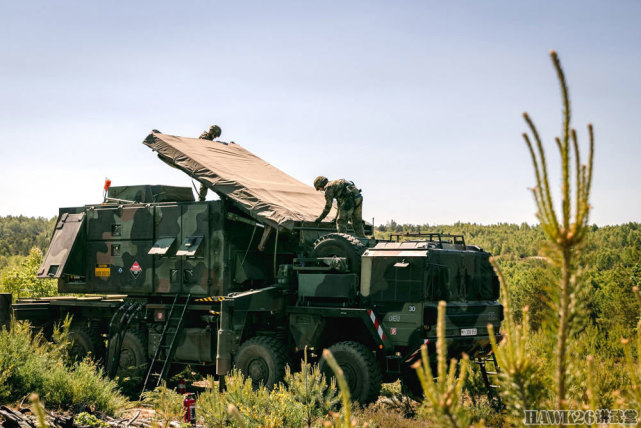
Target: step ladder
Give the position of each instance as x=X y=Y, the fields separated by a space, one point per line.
x=492 y=389
x=164 y=354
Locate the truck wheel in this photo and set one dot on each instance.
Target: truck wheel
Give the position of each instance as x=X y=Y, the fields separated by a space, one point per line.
x=86 y=342
x=360 y=368
x=263 y=359
x=340 y=245
x=133 y=357
x=411 y=384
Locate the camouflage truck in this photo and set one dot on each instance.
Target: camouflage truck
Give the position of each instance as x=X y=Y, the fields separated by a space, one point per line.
x=154 y=279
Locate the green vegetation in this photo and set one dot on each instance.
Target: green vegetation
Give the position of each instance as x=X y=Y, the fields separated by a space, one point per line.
x=18 y=235
x=304 y=399
x=22 y=242
x=444 y=389
x=89 y=420
x=166 y=402
x=21 y=280
x=29 y=363
x=565 y=234
x=571 y=334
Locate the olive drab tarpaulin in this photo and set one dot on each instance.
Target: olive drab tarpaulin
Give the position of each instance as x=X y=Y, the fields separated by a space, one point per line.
x=262 y=190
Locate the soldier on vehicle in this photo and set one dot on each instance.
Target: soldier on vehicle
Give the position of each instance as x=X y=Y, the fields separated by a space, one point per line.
x=213 y=132
x=349 y=201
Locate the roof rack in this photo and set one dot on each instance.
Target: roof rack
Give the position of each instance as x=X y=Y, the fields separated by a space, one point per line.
x=430 y=237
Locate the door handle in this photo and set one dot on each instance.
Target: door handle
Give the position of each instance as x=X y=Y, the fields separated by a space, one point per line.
x=174 y=277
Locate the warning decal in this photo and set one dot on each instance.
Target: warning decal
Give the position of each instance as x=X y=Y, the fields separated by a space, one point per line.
x=135 y=269
x=102 y=271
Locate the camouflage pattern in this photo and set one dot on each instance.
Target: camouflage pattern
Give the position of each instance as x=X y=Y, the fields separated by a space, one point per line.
x=155 y=193
x=403 y=283
x=407 y=280
x=328 y=286
x=195 y=344
x=152 y=245
x=156 y=249
x=349 y=201
x=202 y=192
x=140 y=249
x=66 y=233
x=320 y=182
x=148 y=249
x=212 y=133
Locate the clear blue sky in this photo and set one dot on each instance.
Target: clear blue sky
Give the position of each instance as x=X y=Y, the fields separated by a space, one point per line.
x=418 y=102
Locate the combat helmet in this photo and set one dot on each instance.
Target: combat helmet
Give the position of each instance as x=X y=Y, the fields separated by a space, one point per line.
x=320 y=182
x=213 y=133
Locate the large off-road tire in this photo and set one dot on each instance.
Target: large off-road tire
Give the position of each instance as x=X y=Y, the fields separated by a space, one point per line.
x=340 y=245
x=263 y=359
x=132 y=363
x=360 y=368
x=411 y=384
x=86 y=342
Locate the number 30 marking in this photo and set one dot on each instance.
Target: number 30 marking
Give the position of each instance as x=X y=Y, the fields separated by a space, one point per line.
x=412 y=308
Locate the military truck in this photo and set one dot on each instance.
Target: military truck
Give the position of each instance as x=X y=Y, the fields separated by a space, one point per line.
x=154 y=279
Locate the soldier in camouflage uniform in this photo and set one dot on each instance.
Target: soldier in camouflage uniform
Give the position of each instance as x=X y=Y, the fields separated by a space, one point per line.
x=213 y=132
x=349 y=201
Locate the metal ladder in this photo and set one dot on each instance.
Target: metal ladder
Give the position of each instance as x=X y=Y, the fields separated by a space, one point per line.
x=166 y=348
x=492 y=390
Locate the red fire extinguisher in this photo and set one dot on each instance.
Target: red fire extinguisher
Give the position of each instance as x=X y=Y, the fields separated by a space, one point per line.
x=189 y=405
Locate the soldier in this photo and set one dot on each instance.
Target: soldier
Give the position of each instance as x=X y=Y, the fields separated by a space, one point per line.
x=213 y=132
x=349 y=201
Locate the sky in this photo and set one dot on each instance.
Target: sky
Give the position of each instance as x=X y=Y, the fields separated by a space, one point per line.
x=418 y=102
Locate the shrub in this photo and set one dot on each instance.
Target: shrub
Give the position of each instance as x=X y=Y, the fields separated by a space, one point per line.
x=240 y=405
x=309 y=387
x=167 y=404
x=89 y=420
x=22 y=282
x=29 y=363
x=303 y=399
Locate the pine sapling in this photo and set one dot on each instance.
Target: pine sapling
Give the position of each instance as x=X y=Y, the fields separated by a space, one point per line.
x=444 y=394
x=566 y=233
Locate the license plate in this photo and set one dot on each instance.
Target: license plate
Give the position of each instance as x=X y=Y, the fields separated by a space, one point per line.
x=468 y=332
